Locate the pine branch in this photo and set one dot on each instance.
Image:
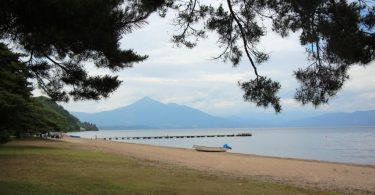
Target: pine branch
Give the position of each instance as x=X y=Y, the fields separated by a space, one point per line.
x=243 y=36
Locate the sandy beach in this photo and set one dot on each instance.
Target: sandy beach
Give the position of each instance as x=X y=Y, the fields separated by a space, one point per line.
x=347 y=178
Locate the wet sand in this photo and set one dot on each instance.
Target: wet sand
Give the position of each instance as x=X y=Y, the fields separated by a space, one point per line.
x=347 y=178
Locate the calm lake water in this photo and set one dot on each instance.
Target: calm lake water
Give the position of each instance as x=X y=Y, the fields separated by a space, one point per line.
x=341 y=144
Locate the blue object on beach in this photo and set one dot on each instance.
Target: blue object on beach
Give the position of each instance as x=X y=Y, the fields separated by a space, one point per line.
x=227 y=146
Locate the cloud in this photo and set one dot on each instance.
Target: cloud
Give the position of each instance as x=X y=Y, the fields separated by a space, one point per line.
x=290 y=103
x=167 y=54
x=154 y=80
x=361 y=78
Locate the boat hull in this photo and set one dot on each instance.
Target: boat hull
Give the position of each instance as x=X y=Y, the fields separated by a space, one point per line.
x=209 y=149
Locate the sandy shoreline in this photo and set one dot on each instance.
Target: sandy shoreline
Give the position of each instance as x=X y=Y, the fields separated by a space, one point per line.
x=305 y=173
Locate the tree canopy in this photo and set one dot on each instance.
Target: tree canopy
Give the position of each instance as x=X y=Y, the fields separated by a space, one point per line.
x=60 y=37
x=336 y=33
x=19 y=112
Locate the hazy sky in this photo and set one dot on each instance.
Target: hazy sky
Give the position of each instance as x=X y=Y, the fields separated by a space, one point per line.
x=190 y=77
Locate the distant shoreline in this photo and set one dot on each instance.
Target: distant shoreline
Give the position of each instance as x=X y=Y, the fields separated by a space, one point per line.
x=105 y=128
x=345 y=177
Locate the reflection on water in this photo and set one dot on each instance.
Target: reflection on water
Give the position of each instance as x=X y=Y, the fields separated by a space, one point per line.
x=349 y=144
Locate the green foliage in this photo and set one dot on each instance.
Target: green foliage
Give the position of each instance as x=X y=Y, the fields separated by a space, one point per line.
x=318 y=83
x=14 y=92
x=89 y=126
x=262 y=91
x=46 y=118
x=54 y=117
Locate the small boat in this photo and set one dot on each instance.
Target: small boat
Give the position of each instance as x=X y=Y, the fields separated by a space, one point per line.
x=210 y=149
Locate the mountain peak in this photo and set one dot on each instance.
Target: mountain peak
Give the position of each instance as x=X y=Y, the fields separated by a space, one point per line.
x=150 y=113
x=147 y=100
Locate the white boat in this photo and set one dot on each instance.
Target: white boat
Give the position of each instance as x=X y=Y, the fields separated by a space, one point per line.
x=210 y=149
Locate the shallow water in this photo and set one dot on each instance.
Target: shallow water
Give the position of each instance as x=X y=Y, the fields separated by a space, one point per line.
x=341 y=144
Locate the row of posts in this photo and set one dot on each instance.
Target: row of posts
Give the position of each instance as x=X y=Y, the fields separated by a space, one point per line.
x=179 y=137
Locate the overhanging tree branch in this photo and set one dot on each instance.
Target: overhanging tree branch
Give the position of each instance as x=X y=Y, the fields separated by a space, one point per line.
x=56 y=63
x=243 y=36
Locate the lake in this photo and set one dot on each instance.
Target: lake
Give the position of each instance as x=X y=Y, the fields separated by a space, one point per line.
x=340 y=144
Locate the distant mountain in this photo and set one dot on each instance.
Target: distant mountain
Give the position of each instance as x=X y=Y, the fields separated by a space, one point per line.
x=149 y=113
x=358 y=118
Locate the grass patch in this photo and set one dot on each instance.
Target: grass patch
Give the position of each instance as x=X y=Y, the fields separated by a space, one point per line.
x=47 y=167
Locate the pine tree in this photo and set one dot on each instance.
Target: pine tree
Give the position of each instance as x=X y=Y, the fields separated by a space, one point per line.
x=15 y=92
